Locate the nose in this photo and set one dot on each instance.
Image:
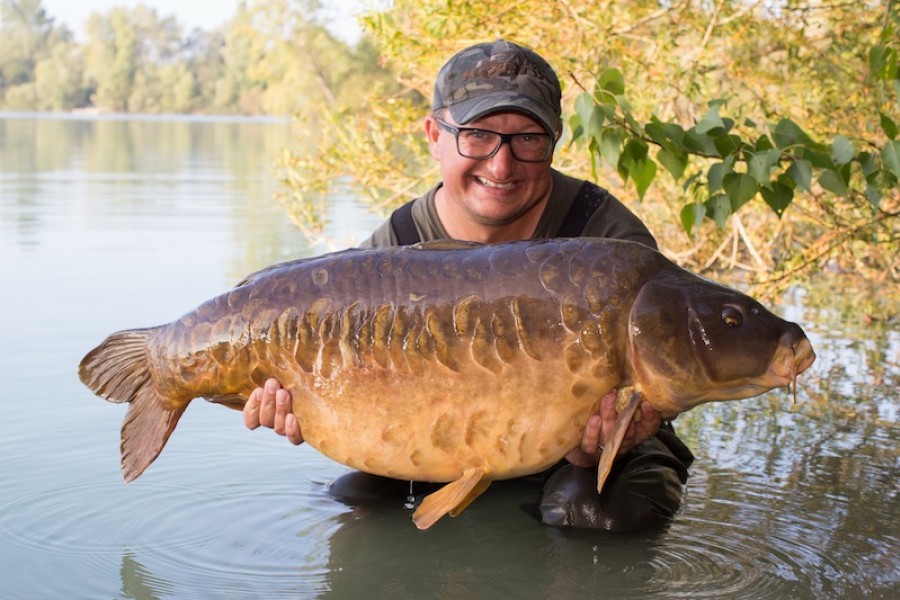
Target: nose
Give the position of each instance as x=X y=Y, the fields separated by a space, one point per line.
x=502 y=164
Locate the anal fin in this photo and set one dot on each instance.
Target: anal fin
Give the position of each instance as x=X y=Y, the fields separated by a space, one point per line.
x=453 y=498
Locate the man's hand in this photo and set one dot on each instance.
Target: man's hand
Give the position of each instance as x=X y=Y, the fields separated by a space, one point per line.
x=599 y=428
x=270 y=406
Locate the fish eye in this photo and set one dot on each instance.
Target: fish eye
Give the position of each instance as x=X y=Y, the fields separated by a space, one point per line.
x=732 y=317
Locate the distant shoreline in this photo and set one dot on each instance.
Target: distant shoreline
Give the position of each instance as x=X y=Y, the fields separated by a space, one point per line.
x=98 y=115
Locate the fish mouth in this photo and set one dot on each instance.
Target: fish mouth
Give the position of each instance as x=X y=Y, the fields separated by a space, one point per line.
x=790 y=362
x=803 y=359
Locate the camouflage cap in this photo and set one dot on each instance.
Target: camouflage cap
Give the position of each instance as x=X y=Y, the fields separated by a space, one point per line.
x=495 y=77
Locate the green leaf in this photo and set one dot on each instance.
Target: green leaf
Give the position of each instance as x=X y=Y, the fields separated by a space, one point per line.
x=845 y=171
x=819 y=160
x=832 y=181
x=888 y=125
x=636 y=149
x=664 y=133
x=719 y=208
x=873 y=195
x=787 y=134
x=867 y=162
x=692 y=183
x=657 y=132
x=643 y=171
x=740 y=188
x=675 y=132
x=711 y=120
x=611 y=141
x=727 y=144
x=607 y=110
x=778 y=197
x=595 y=157
x=577 y=130
x=612 y=81
x=635 y=163
x=883 y=62
x=842 y=150
x=691 y=216
x=877 y=60
x=594 y=127
x=760 y=164
x=584 y=109
x=715 y=175
x=786 y=180
x=623 y=103
x=674 y=160
x=890 y=157
x=763 y=143
x=700 y=143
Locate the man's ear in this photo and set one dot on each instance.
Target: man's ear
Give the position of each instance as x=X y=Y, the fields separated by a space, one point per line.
x=433 y=131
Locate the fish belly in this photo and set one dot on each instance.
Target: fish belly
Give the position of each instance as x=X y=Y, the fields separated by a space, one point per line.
x=516 y=422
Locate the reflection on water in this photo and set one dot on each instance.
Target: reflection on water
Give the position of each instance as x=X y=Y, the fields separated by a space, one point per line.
x=117 y=223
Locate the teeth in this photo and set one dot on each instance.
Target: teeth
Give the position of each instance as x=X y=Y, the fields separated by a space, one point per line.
x=499 y=186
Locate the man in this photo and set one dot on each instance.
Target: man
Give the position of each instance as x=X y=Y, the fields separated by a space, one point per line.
x=495 y=122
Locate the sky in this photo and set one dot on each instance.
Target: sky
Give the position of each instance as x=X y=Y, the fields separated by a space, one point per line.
x=205 y=14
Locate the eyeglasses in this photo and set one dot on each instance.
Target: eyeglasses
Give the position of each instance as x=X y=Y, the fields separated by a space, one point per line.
x=481 y=144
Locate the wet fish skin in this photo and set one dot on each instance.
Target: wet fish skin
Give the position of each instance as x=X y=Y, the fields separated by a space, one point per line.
x=451 y=362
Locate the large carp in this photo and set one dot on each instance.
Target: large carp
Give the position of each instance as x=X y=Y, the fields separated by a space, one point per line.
x=452 y=362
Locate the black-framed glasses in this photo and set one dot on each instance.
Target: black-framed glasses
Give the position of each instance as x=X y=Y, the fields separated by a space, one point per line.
x=482 y=144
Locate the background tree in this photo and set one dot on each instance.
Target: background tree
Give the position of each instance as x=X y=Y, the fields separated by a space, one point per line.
x=27 y=37
x=126 y=50
x=275 y=58
x=279 y=59
x=776 y=120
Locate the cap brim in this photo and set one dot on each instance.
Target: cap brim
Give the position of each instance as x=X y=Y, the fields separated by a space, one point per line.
x=474 y=108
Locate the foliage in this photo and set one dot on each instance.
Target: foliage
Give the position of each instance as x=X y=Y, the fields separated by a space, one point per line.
x=272 y=57
x=731 y=100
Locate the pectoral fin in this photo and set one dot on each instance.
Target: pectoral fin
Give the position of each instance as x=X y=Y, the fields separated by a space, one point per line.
x=452 y=498
x=616 y=437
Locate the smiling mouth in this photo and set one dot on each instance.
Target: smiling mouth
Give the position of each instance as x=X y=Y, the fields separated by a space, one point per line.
x=493 y=184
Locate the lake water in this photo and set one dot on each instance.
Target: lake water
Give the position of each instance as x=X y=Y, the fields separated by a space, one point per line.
x=107 y=224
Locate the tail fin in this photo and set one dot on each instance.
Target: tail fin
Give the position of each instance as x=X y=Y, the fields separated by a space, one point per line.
x=118 y=370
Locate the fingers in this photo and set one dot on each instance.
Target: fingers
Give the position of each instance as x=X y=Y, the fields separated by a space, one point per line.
x=643 y=430
x=271 y=406
x=282 y=408
x=267 y=403
x=608 y=410
x=591 y=438
x=649 y=424
x=292 y=430
x=587 y=454
x=598 y=431
x=251 y=409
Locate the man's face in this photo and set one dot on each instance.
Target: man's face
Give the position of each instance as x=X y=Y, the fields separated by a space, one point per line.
x=496 y=191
